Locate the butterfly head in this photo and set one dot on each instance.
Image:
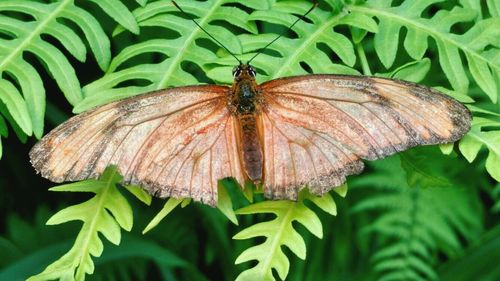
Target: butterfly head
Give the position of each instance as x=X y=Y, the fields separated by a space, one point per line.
x=244 y=71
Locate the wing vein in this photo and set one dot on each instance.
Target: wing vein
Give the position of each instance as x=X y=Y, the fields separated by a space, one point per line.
x=87 y=145
x=315 y=118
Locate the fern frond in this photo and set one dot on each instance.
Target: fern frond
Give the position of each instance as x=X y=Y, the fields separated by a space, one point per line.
x=306 y=54
x=480 y=135
x=415 y=223
x=105 y=213
x=478 y=261
x=474 y=44
x=185 y=48
x=414 y=71
x=21 y=87
x=120 y=13
x=280 y=232
x=28 y=245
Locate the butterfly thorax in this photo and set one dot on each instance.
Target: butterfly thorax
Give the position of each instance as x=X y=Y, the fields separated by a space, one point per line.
x=245 y=104
x=245 y=96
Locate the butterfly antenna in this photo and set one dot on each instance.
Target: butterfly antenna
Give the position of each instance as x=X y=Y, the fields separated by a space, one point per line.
x=290 y=27
x=210 y=35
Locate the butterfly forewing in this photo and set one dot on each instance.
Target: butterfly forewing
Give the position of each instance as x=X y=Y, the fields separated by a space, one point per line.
x=317 y=128
x=177 y=142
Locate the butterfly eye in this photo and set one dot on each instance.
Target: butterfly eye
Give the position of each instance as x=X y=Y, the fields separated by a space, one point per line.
x=236 y=71
x=251 y=71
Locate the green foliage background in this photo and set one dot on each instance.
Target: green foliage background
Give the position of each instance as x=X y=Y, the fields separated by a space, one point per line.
x=427 y=214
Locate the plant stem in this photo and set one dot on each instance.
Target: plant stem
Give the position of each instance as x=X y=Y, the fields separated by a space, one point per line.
x=363 y=60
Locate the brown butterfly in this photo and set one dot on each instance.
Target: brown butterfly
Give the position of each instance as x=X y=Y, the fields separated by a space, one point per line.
x=285 y=134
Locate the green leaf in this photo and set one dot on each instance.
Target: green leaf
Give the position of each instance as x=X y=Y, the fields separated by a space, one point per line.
x=474 y=43
x=446 y=148
x=360 y=21
x=4 y=132
x=450 y=61
x=142 y=2
x=420 y=174
x=139 y=193
x=224 y=203
x=168 y=72
x=416 y=43
x=386 y=42
x=478 y=260
x=16 y=106
x=458 y=96
x=413 y=223
x=217 y=63
x=167 y=208
x=414 y=71
x=280 y=232
x=482 y=34
x=341 y=190
x=493 y=7
x=305 y=50
x=326 y=203
x=25 y=36
x=106 y=212
x=131 y=256
x=97 y=39
x=471 y=144
x=119 y=12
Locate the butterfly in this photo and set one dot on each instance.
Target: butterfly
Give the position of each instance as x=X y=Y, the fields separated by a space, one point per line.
x=283 y=135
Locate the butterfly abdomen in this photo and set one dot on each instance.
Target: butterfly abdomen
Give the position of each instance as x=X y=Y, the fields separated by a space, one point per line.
x=251 y=147
x=244 y=104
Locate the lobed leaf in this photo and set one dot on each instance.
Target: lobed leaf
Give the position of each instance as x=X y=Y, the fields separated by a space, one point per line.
x=474 y=43
x=120 y=13
x=167 y=208
x=30 y=36
x=307 y=47
x=478 y=137
x=184 y=48
x=107 y=212
x=16 y=106
x=280 y=232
